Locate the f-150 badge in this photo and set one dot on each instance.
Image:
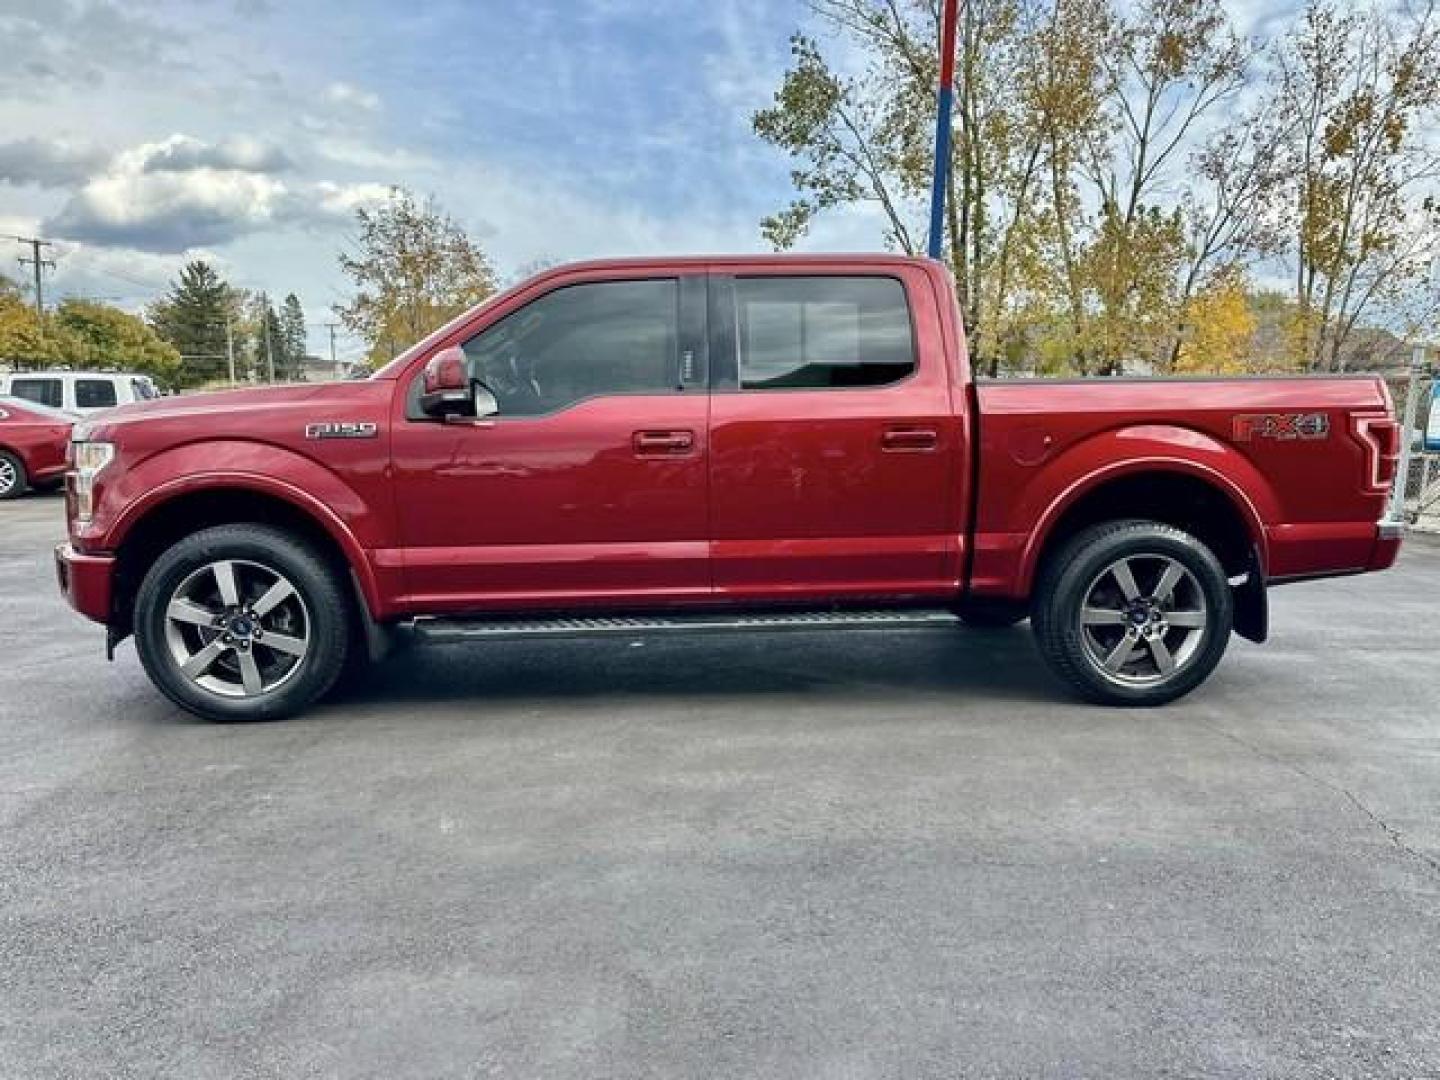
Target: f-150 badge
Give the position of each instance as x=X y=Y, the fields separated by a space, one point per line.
x=341 y=429
x=1285 y=426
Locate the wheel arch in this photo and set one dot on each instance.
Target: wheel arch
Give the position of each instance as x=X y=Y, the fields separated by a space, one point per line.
x=1176 y=491
x=172 y=513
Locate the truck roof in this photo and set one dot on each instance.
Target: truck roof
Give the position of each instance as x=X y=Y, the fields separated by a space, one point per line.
x=881 y=258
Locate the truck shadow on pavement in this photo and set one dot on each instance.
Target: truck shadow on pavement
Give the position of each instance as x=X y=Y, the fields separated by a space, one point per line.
x=993 y=665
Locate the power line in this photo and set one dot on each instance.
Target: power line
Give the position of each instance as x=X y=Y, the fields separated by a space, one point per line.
x=39 y=263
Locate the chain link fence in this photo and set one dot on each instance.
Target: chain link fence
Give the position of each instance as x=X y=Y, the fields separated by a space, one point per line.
x=1422 y=488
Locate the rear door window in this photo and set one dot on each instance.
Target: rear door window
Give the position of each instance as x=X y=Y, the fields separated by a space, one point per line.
x=817 y=333
x=94 y=393
x=40 y=391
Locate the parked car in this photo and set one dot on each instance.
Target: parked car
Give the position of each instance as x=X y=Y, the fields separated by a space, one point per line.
x=33 y=442
x=754 y=444
x=81 y=392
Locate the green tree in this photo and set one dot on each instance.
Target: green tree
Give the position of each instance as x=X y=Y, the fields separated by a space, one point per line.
x=191 y=317
x=293 y=338
x=414 y=268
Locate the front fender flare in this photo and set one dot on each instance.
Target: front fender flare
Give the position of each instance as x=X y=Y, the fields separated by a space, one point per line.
x=262 y=469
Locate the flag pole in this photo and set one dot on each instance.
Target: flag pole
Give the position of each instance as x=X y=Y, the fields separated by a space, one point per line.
x=942 y=127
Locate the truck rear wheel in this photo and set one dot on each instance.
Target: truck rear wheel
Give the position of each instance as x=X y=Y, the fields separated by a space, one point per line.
x=242 y=622
x=1133 y=613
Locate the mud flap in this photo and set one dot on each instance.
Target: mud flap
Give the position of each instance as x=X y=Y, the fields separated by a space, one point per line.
x=114 y=635
x=380 y=640
x=1252 y=606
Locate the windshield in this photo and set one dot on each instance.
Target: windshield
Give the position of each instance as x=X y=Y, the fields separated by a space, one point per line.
x=35 y=408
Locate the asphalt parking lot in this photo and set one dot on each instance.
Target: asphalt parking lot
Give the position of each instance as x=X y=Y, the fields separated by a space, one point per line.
x=809 y=856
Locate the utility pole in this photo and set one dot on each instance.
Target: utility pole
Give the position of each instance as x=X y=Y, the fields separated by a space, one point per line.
x=265 y=322
x=230 y=347
x=334 y=364
x=39 y=263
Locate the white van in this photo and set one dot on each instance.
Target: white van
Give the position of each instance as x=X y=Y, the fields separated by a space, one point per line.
x=79 y=392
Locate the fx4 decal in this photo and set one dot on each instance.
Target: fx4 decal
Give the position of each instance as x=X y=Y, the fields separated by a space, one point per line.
x=1287 y=426
x=341 y=429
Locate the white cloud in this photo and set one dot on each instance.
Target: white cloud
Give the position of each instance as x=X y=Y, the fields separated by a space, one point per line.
x=180 y=153
x=181 y=192
x=347 y=95
x=342 y=200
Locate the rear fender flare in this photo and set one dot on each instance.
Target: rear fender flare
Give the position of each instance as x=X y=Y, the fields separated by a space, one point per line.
x=1147 y=448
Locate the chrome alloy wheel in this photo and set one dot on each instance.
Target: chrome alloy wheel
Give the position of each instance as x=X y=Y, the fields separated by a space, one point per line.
x=9 y=477
x=237 y=629
x=1143 y=620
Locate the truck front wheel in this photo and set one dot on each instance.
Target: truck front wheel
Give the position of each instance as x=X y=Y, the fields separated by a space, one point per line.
x=242 y=622
x=1133 y=612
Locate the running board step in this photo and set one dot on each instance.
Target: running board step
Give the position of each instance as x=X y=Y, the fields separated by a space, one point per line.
x=440 y=630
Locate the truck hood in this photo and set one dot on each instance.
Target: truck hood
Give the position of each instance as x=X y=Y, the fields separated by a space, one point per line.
x=226 y=411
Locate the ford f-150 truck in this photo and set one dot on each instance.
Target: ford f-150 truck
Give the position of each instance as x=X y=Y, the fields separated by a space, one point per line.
x=751 y=444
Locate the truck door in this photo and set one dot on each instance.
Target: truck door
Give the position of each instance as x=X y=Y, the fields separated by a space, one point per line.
x=589 y=485
x=833 y=441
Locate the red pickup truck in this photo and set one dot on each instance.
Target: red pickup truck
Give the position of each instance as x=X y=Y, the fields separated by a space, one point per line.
x=755 y=444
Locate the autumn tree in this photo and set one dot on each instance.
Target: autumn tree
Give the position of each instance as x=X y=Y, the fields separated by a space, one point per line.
x=1074 y=123
x=24 y=343
x=1357 y=95
x=106 y=337
x=414 y=268
x=1220 y=328
x=865 y=137
x=84 y=335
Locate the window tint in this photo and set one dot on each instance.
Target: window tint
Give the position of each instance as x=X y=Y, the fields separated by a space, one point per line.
x=822 y=332
x=94 y=393
x=144 y=390
x=613 y=337
x=41 y=391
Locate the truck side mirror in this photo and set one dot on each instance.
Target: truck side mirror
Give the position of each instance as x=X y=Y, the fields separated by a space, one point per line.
x=448 y=391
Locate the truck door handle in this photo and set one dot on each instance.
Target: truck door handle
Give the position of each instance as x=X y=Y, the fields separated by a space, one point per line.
x=663 y=443
x=915 y=440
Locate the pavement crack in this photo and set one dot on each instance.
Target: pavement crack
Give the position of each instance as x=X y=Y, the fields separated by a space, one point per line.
x=1390 y=832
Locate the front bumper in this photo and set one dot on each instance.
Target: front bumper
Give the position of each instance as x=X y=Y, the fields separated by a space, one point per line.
x=87 y=581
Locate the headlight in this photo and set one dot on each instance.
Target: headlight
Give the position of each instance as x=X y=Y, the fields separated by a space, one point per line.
x=87 y=459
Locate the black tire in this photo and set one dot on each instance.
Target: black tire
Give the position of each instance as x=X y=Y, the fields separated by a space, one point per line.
x=318 y=595
x=1077 y=574
x=13 y=481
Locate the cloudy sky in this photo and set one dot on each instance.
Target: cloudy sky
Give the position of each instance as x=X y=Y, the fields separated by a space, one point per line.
x=139 y=133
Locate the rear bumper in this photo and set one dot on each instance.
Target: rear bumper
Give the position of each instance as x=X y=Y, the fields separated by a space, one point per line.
x=1302 y=552
x=87 y=581
x=1388 y=535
